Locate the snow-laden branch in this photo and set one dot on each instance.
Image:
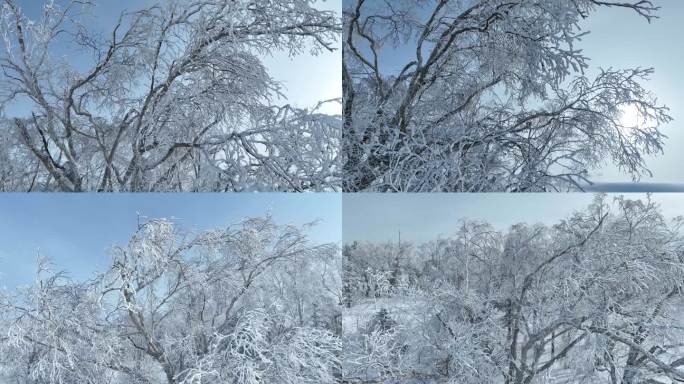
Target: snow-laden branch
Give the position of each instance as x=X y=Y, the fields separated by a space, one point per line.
x=493 y=96
x=175 y=98
x=182 y=308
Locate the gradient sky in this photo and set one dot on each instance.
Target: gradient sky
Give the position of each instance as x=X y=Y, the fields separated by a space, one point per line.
x=307 y=79
x=76 y=230
x=425 y=216
x=619 y=38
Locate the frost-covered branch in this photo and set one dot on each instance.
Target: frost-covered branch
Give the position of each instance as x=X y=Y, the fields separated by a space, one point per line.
x=182 y=308
x=175 y=98
x=493 y=96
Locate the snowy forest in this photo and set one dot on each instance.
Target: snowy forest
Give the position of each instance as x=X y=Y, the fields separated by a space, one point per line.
x=252 y=303
x=489 y=95
x=596 y=297
x=173 y=97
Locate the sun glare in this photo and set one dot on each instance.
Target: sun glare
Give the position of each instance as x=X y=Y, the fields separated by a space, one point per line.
x=630 y=118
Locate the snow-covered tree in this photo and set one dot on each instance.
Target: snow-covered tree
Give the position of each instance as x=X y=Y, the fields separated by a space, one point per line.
x=597 y=297
x=179 y=308
x=492 y=95
x=174 y=98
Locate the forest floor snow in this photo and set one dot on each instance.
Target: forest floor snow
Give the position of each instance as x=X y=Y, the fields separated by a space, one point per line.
x=400 y=309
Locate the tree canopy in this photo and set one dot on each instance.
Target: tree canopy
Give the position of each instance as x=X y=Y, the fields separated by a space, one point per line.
x=252 y=303
x=175 y=98
x=596 y=297
x=490 y=95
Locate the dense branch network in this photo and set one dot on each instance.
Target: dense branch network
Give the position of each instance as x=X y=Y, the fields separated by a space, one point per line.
x=597 y=297
x=176 y=98
x=253 y=303
x=491 y=95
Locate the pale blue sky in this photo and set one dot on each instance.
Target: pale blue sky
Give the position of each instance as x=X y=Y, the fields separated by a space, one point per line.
x=424 y=216
x=622 y=39
x=75 y=230
x=307 y=79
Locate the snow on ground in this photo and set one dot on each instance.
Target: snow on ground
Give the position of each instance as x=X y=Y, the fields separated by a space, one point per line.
x=403 y=310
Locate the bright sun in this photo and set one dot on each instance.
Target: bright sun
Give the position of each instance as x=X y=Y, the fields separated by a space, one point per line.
x=630 y=118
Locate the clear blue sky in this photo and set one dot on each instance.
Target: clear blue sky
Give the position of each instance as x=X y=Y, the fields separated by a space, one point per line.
x=621 y=39
x=307 y=79
x=425 y=216
x=76 y=230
